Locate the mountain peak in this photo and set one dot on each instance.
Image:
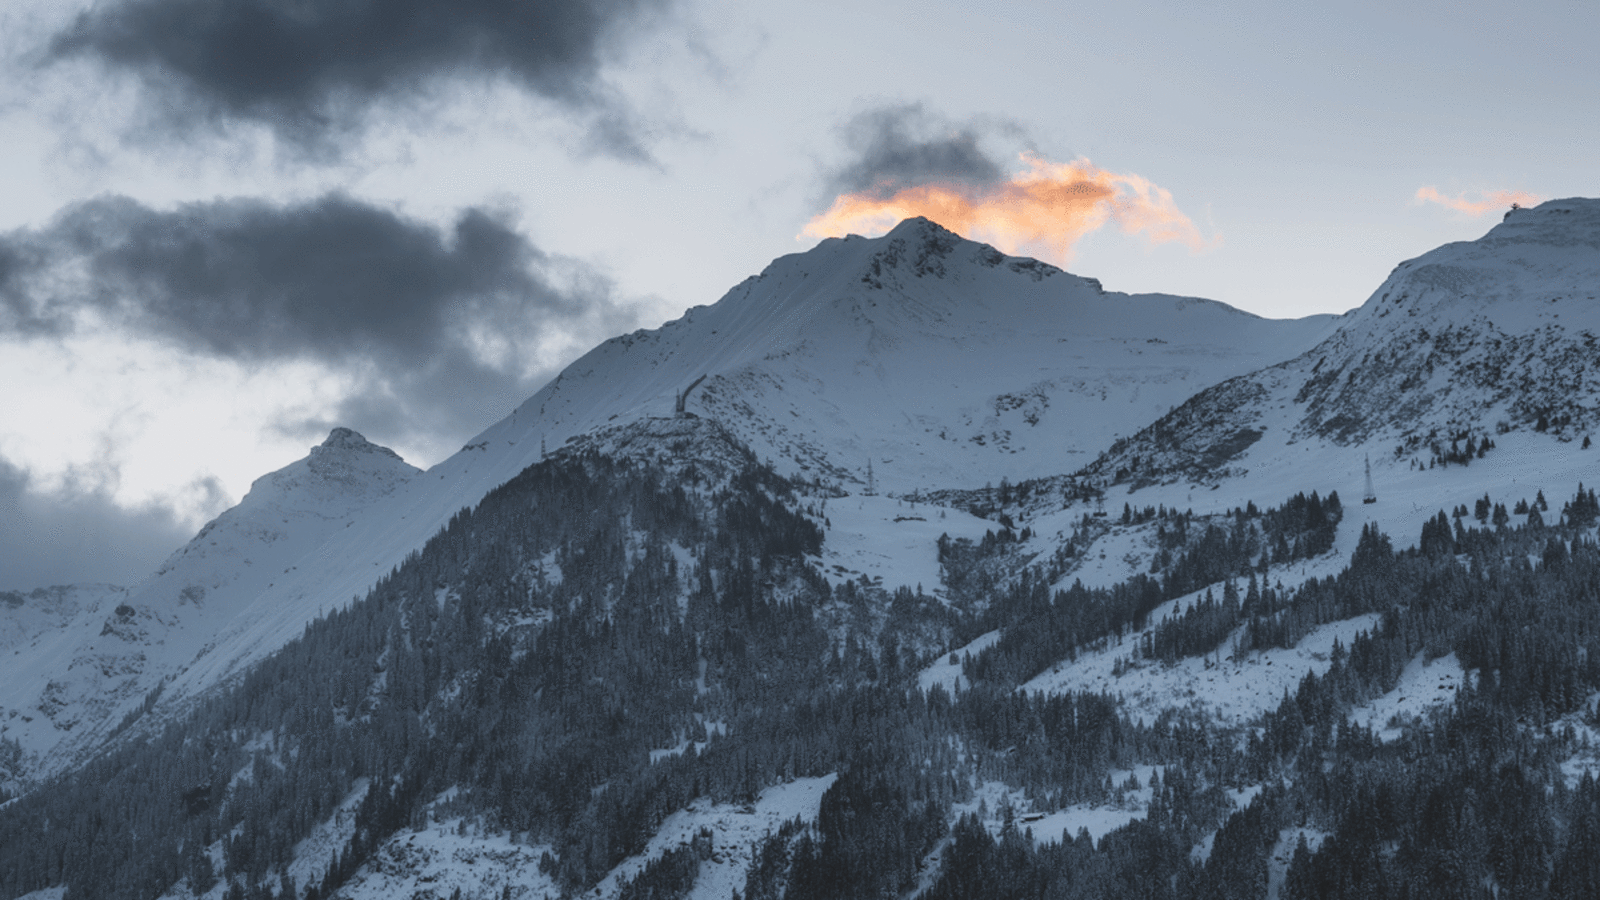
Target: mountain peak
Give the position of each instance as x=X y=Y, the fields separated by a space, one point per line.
x=919 y=247
x=345 y=469
x=922 y=228
x=342 y=438
x=1567 y=212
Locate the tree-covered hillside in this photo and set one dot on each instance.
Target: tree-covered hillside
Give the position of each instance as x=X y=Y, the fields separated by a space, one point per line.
x=602 y=640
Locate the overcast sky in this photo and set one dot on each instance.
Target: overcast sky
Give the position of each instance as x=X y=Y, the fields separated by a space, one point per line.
x=229 y=226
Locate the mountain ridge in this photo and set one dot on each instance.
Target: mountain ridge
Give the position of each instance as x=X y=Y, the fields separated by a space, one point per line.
x=69 y=691
x=836 y=335
x=1465 y=340
x=604 y=672
x=849 y=337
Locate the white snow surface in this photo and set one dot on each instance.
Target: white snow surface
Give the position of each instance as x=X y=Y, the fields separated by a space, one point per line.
x=64 y=692
x=309 y=861
x=26 y=617
x=451 y=854
x=947 y=673
x=1099 y=819
x=891 y=541
x=991 y=799
x=1473 y=337
x=944 y=364
x=447 y=856
x=1586 y=758
x=1234 y=692
x=1283 y=854
x=1423 y=685
x=736 y=831
x=941 y=360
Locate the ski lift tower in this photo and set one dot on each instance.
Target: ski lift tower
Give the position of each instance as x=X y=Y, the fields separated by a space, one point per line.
x=1369 y=496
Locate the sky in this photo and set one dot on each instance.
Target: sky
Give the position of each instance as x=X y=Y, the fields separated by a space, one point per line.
x=228 y=227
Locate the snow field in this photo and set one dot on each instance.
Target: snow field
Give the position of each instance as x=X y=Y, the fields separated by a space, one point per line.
x=314 y=855
x=1424 y=684
x=1098 y=818
x=1521 y=464
x=948 y=673
x=1234 y=692
x=890 y=541
x=1111 y=559
x=736 y=830
x=448 y=856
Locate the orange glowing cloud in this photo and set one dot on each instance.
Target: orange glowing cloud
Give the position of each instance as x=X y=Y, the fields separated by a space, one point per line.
x=1492 y=200
x=1048 y=208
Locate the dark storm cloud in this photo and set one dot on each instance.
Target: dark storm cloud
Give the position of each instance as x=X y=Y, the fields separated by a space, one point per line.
x=332 y=278
x=895 y=147
x=438 y=328
x=77 y=535
x=19 y=262
x=309 y=68
x=329 y=278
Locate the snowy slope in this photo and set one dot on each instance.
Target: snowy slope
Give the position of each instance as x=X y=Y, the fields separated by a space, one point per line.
x=944 y=364
x=70 y=685
x=1484 y=337
x=941 y=360
x=26 y=617
x=1479 y=337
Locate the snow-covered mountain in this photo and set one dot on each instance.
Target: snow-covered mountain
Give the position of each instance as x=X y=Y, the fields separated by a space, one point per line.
x=940 y=361
x=25 y=617
x=1474 y=339
x=84 y=659
x=649 y=667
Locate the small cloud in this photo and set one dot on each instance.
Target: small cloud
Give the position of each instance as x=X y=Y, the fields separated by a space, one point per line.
x=1489 y=202
x=1047 y=207
x=897 y=147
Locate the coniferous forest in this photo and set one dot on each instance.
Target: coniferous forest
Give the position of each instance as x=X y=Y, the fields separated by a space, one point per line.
x=522 y=666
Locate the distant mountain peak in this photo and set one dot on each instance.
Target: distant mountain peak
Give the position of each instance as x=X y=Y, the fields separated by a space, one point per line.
x=1491 y=335
x=922 y=228
x=1564 y=213
x=350 y=440
x=920 y=248
x=917 y=247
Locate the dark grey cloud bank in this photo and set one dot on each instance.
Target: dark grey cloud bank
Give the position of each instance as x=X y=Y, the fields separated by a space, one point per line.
x=436 y=329
x=309 y=69
x=77 y=535
x=897 y=146
x=353 y=286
